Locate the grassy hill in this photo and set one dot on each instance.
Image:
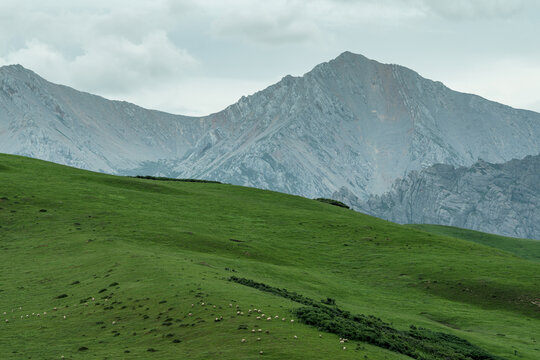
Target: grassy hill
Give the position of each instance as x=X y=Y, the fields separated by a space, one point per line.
x=524 y=248
x=102 y=267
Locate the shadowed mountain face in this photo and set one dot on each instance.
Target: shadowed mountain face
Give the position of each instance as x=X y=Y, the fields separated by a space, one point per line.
x=347 y=129
x=497 y=198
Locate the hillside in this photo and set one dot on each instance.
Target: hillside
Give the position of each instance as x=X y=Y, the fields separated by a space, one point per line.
x=95 y=265
x=497 y=198
x=524 y=248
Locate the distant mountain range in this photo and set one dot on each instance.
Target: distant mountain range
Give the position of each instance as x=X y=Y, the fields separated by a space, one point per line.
x=499 y=198
x=347 y=129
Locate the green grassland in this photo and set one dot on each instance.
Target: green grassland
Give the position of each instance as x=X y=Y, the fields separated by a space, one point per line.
x=139 y=269
x=524 y=248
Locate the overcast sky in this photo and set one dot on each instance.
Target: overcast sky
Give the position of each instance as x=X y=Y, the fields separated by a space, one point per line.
x=194 y=57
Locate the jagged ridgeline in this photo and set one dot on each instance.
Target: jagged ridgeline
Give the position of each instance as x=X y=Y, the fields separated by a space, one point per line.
x=102 y=266
x=347 y=129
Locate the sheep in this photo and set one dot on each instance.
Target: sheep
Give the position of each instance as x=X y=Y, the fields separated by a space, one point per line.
x=7 y=320
x=64 y=316
x=296 y=337
x=243 y=340
x=114 y=322
x=258 y=339
x=268 y=318
x=260 y=352
x=292 y=320
x=344 y=348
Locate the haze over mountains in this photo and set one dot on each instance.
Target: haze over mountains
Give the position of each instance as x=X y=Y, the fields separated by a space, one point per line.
x=348 y=129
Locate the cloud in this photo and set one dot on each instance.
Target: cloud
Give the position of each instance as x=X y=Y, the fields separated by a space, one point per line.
x=475 y=9
x=109 y=64
x=511 y=81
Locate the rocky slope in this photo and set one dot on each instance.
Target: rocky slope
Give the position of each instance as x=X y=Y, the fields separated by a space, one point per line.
x=346 y=129
x=497 y=198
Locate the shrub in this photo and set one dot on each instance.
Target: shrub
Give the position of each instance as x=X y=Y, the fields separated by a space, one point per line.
x=333 y=202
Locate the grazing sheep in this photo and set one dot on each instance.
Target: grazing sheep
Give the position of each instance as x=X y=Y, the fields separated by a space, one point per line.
x=258 y=339
x=64 y=316
x=243 y=340
x=296 y=337
x=344 y=348
x=190 y=314
x=7 y=320
x=114 y=322
x=292 y=320
x=259 y=330
x=258 y=318
x=260 y=352
x=268 y=318
x=283 y=319
x=252 y=330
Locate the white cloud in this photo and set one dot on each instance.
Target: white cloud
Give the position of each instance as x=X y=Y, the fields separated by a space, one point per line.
x=511 y=81
x=108 y=64
x=475 y=9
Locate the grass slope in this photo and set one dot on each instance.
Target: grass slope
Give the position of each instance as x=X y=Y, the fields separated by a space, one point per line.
x=524 y=248
x=137 y=269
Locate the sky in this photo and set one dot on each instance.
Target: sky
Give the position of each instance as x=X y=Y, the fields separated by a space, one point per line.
x=196 y=57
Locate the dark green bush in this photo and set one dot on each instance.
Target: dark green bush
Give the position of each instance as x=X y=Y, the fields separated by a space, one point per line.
x=333 y=202
x=417 y=342
x=159 y=178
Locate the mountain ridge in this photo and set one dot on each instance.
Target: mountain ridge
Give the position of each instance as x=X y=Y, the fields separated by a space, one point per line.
x=498 y=198
x=347 y=129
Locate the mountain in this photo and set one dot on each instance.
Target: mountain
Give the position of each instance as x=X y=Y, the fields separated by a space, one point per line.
x=57 y=123
x=346 y=129
x=96 y=266
x=496 y=198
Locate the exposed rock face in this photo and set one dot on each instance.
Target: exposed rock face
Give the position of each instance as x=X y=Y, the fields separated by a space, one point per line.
x=56 y=123
x=496 y=198
x=347 y=128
